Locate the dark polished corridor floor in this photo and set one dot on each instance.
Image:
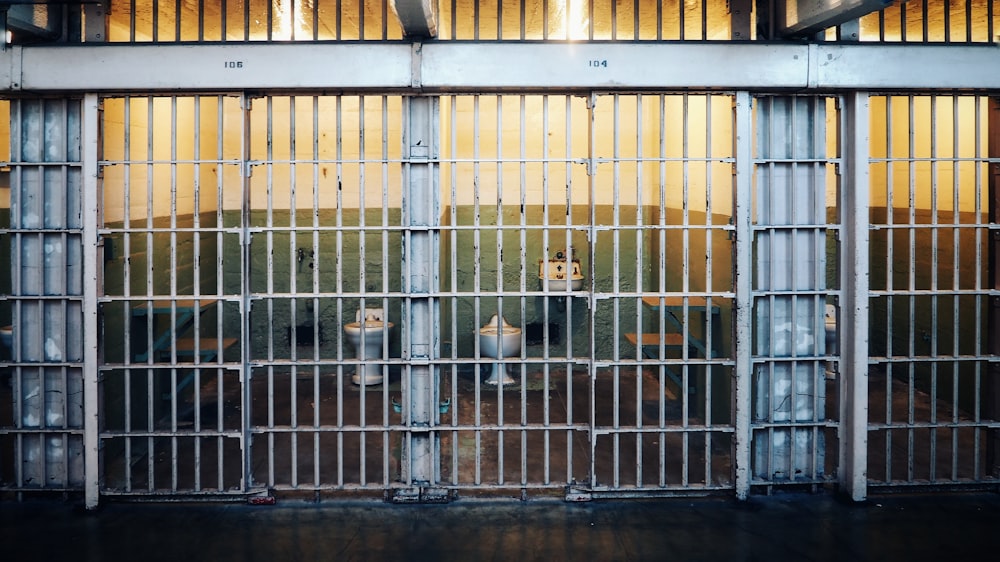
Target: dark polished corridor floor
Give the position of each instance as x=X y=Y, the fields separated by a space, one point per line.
x=785 y=526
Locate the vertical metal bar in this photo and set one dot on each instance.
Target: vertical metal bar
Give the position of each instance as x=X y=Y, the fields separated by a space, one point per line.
x=911 y=287
x=127 y=274
x=522 y=20
x=223 y=19
x=685 y=287
x=955 y=277
x=902 y=22
x=546 y=410
x=614 y=21
x=568 y=170
x=709 y=328
x=91 y=414
x=156 y=21
x=361 y=23
x=499 y=263
x=201 y=18
x=743 y=321
x=853 y=323
x=659 y=31
x=196 y=216
x=978 y=282
x=661 y=269
x=616 y=277
x=889 y=285
x=362 y=275
x=989 y=23
x=150 y=390
x=453 y=277
x=635 y=19
x=177 y=20
x=947 y=24
x=316 y=396
x=173 y=294
x=932 y=460
x=339 y=147
x=592 y=159
x=924 y=21
x=523 y=287
x=270 y=273
x=991 y=399
x=968 y=21
x=680 y=19
x=220 y=281
x=386 y=448
x=477 y=278
x=639 y=267
x=293 y=286
x=131 y=21
x=269 y=20
x=246 y=378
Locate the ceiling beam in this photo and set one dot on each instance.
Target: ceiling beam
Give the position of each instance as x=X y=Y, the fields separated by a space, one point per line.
x=418 y=18
x=804 y=18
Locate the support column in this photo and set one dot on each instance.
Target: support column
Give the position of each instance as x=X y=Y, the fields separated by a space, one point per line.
x=91 y=286
x=743 y=260
x=853 y=322
x=421 y=315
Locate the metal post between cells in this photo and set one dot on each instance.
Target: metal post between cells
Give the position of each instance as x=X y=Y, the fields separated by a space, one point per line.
x=421 y=206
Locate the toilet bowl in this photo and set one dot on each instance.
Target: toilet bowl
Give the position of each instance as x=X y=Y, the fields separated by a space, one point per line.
x=366 y=335
x=498 y=339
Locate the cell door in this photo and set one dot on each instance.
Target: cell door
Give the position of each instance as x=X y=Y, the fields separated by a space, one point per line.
x=324 y=296
x=171 y=303
x=586 y=294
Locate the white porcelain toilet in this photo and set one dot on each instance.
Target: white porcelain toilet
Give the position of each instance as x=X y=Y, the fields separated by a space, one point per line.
x=374 y=328
x=498 y=332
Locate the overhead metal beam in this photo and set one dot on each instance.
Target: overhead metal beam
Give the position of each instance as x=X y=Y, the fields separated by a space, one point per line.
x=112 y=67
x=28 y=21
x=803 y=18
x=418 y=18
x=459 y=67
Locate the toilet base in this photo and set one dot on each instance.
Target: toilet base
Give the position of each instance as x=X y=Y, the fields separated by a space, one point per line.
x=367 y=375
x=498 y=375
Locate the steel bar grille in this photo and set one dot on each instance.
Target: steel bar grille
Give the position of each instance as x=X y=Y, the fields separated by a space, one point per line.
x=240 y=236
x=41 y=378
x=794 y=223
x=159 y=21
x=324 y=244
x=932 y=21
x=931 y=417
x=171 y=308
x=604 y=20
x=167 y=21
x=630 y=197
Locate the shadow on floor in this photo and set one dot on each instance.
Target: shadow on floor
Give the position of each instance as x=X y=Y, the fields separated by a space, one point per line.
x=791 y=526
